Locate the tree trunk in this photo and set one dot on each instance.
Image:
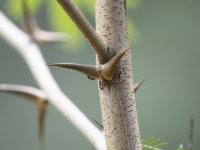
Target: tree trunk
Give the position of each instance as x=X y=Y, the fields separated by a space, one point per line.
x=117 y=97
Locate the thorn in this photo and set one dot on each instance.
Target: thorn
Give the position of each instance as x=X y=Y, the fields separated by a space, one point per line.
x=137 y=85
x=89 y=70
x=30 y=24
x=36 y=96
x=41 y=109
x=109 y=68
x=32 y=93
x=98 y=123
x=34 y=31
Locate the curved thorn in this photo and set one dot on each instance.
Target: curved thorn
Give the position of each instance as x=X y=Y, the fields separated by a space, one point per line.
x=36 y=96
x=109 y=68
x=30 y=24
x=89 y=70
x=137 y=85
x=41 y=110
x=26 y=91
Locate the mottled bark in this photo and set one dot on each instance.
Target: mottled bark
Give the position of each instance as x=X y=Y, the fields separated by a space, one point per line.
x=116 y=97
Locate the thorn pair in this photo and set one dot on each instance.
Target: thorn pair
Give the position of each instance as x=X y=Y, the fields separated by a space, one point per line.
x=34 y=95
x=105 y=71
x=36 y=34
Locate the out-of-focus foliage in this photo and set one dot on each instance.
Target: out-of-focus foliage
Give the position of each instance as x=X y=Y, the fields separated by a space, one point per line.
x=180 y=147
x=153 y=143
x=14 y=7
x=58 y=19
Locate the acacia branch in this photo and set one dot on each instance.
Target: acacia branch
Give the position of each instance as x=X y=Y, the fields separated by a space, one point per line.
x=85 y=27
x=37 y=65
x=34 y=95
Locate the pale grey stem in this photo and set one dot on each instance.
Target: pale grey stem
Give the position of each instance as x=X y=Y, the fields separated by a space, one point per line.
x=118 y=105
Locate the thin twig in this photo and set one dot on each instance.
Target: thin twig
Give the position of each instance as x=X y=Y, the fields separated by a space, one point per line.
x=85 y=27
x=34 y=95
x=191 y=137
x=37 y=65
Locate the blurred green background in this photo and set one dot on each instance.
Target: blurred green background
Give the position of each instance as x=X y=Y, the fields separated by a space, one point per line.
x=165 y=39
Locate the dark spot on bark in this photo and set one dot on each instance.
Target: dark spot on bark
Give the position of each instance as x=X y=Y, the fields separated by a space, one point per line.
x=125 y=7
x=120 y=75
x=91 y=78
x=100 y=85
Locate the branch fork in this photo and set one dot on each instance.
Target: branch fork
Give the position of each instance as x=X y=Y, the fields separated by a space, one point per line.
x=35 y=32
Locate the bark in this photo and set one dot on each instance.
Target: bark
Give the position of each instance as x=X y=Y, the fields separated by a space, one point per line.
x=116 y=97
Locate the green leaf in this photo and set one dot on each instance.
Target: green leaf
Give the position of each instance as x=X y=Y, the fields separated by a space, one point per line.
x=180 y=147
x=14 y=7
x=152 y=143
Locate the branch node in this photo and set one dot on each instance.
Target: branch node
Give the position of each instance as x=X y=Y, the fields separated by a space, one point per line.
x=108 y=70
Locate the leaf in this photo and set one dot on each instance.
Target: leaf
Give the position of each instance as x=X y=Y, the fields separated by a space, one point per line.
x=153 y=143
x=180 y=147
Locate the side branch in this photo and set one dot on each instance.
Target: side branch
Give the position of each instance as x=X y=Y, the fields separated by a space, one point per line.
x=35 y=32
x=37 y=65
x=85 y=27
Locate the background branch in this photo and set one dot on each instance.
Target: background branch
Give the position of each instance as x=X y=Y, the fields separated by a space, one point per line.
x=37 y=65
x=191 y=137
